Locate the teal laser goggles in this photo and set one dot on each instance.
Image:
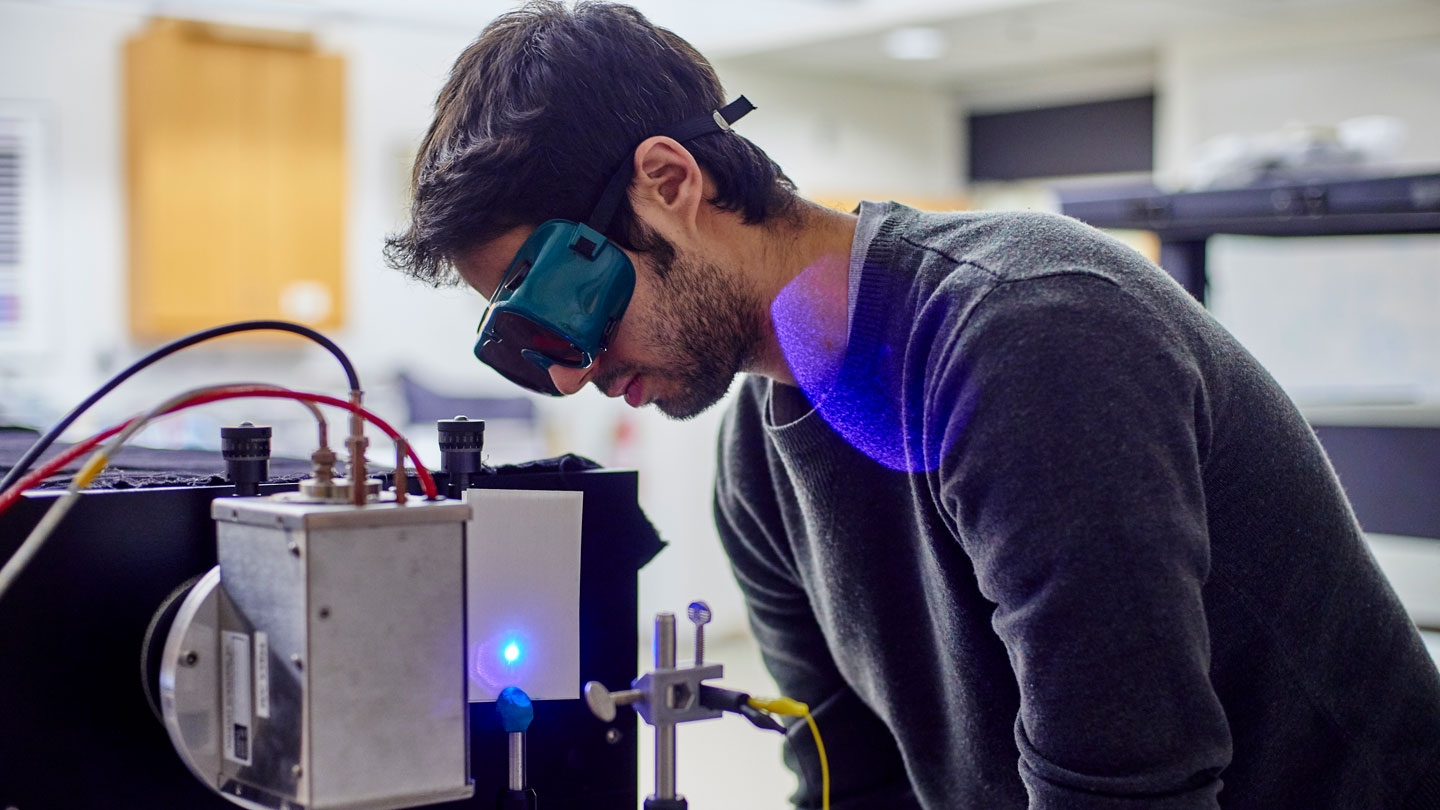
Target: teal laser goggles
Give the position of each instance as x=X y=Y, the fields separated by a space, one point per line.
x=563 y=295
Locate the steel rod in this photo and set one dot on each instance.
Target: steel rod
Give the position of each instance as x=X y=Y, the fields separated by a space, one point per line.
x=518 y=777
x=664 y=732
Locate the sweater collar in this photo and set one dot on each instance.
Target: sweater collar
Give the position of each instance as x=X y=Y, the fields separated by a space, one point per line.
x=869 y=324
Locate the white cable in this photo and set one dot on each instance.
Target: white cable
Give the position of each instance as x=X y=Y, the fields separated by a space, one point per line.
x=42 y=531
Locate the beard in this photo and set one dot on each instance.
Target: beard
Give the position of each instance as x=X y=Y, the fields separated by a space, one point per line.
x=706 y=329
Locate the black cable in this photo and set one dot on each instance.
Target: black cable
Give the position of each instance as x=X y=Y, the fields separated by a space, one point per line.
x=168 y=349
x=713 y=697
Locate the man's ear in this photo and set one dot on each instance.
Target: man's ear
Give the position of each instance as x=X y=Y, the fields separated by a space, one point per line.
x=668 y=182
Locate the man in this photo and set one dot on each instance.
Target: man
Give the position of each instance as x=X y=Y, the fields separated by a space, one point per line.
x=1017 y=519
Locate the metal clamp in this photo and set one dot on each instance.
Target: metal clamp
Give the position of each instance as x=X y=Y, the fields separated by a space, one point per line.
x=665 y=698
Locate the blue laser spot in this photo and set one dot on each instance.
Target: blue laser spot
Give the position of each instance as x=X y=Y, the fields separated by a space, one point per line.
x=871 y=391
x=506 y=657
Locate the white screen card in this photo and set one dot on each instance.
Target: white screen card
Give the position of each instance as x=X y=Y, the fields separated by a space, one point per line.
x=523 y=593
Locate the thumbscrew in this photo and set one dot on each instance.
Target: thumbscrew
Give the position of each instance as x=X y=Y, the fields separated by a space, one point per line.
x=699 y=613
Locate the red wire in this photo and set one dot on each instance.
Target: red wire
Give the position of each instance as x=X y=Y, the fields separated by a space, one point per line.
x=49 y=468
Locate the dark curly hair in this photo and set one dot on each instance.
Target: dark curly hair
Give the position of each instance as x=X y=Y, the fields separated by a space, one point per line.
x=542 y=109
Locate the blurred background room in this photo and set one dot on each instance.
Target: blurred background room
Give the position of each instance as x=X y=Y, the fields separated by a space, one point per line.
x=168 y=165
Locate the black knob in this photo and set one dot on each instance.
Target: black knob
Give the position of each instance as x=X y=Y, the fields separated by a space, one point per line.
x=246 y=450
x=461 y=442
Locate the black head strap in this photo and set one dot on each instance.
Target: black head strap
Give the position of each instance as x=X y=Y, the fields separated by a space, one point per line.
x=718 y=121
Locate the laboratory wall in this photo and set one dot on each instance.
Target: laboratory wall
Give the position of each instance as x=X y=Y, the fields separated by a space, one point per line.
x=1317 y=68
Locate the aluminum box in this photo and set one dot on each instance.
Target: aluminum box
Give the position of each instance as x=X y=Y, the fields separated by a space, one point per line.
x=342 y=647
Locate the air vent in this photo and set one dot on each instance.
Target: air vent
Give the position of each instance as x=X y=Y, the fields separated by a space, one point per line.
x=12 y=154
x=21 y=128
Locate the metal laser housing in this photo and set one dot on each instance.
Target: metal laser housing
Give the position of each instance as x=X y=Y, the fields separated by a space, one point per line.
x=322 y=664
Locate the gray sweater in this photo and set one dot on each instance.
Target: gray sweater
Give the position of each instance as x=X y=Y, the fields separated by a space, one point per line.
x=1055 y=540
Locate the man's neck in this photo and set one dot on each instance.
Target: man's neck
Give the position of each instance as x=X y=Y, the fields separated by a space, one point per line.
x=799 y=265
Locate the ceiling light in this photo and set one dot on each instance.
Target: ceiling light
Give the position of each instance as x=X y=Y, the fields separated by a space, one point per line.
x=915 y=43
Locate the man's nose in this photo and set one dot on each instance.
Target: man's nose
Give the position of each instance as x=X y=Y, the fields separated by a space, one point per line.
x=569 y=380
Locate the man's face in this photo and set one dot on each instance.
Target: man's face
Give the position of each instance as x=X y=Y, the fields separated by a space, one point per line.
x=689 y=329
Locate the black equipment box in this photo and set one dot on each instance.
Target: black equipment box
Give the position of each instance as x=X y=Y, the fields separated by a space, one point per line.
x=76 y=728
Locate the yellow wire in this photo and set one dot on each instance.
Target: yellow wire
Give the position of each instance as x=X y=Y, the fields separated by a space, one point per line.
x=794 y=708
x=92 y=468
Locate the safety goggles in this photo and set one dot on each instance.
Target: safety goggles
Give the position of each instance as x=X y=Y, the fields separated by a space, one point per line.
x=562 y=296
x=557 y=304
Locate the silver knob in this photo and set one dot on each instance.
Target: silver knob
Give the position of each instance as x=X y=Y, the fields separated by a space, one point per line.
x=602 y=701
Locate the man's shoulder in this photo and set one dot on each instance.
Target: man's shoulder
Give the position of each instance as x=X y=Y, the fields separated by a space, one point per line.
x=1006 y=245
x=941 y=267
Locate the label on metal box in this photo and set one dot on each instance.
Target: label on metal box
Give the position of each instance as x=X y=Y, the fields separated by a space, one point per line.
x=235 y=716
x=262 y=675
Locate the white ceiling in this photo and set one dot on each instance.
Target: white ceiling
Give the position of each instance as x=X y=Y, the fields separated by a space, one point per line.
x=719 y=27
x=1043 y=36
x=989 y=41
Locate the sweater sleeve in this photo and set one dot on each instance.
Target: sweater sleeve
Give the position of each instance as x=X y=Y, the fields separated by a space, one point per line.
x=866 y=770
x=1071 y=428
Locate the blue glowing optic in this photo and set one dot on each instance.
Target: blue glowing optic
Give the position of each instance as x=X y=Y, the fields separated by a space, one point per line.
x=512 y=652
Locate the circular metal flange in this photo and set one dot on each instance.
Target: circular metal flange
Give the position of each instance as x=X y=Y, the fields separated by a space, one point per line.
x=190 y=680
x=335 y=491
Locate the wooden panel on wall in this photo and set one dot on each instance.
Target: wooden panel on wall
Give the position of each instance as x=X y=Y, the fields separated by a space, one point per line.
x=236 y=178
x=842 y=201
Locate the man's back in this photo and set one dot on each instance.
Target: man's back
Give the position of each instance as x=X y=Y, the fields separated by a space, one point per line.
x=1053 y=515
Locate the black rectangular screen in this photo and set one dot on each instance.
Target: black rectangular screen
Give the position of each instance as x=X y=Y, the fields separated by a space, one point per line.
x=1102 y=137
